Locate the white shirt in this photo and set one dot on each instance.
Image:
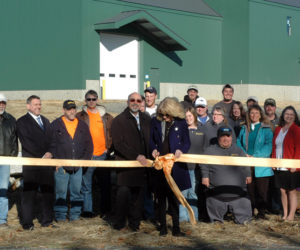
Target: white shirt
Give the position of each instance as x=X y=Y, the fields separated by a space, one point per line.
x=137 y=117
x=279 y=147
x=35 y=117
x=151 y=111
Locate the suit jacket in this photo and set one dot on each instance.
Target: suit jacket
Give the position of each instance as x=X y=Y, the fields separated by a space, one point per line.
x=129 y=142
x=178 y=139
x=35 y=141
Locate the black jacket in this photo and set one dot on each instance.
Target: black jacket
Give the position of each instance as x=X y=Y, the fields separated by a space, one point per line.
x=35 y=141
x=64 y=147
x=8 y=135
x=187 y=102
x=128 y=143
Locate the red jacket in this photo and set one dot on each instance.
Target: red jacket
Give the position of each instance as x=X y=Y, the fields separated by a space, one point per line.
x=291 y=143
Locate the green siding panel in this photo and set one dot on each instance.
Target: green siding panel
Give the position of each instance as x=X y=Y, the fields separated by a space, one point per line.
x=235 y=37
x=52 y=44
x=39 y=44
x=274 y=56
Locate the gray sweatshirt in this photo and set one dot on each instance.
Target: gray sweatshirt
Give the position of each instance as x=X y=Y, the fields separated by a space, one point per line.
x=224 y=180
x=210 y=133
x=197 y=143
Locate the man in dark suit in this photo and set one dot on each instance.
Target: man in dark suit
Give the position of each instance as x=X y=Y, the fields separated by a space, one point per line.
x=34 y=133
x=130 y=136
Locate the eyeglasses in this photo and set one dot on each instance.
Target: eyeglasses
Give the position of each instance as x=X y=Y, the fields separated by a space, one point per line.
x=135 y=100
x=91 y=99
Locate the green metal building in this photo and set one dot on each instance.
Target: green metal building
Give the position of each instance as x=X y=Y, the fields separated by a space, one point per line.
x=60 y=48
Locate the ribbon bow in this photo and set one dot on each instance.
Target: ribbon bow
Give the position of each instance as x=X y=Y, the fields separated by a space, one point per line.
x=166 y=163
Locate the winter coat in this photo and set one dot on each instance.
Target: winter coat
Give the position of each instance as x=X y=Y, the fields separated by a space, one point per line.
x=8 y=135
x=291 y=143
x=178 y=139
x=187 y=102
x=262 y=147
x=64 y=147
x=129 y=142
x=106 y=119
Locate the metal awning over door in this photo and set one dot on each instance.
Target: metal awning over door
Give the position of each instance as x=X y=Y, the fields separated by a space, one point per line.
x=148 y=26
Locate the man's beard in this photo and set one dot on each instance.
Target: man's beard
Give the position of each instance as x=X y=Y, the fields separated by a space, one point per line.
x=134 y=109
x=226 y=100
x=1 y=111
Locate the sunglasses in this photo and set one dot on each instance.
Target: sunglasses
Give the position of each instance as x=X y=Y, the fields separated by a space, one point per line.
x=166 y=115
x=3 y=102
x=135 y=100
x=91 y=99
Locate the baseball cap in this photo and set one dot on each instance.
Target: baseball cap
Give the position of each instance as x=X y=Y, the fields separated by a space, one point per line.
x=69 y=104
x=224 y=130
x=270 y=101
x=254 y=98
x=200 y=101
x=150 y=90
x=2 y=98
x=192 y=87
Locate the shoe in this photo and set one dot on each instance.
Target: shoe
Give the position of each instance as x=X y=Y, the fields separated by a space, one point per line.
x=4 y=226
x=74 y=219
x=163 y=231
x=133 y=229
x=177 y=233
x=88 y=215
x=274 y=211
x=117 y=226
x=60 y=221
x=261 y=216
x=246 y=222
x=28 y=227
x=51 y=225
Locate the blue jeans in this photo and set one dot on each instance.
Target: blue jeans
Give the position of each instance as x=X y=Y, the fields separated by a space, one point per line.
x=4 y=181
x=86 y=187
x=64 y=182
x=192 y=199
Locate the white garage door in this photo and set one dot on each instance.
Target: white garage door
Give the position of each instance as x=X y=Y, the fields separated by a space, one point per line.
x=118 y=65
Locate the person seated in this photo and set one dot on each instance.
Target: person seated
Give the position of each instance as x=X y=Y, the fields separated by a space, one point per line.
x=226 y=184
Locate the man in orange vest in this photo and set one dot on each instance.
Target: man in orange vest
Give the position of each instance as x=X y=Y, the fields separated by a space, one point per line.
x=99 y=122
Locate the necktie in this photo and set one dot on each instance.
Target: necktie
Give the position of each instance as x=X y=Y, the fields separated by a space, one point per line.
x=138 y=122
x=40 y=122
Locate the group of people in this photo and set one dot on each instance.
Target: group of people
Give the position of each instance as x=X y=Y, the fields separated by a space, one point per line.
x=254 y=132
x=145 y=130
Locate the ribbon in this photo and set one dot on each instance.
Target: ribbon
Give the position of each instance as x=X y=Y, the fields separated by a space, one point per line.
x=163 y=162
x=166 y=163
x=189 y=158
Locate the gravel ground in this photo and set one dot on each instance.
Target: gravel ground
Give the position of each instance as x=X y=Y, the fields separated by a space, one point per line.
x=95 y=233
